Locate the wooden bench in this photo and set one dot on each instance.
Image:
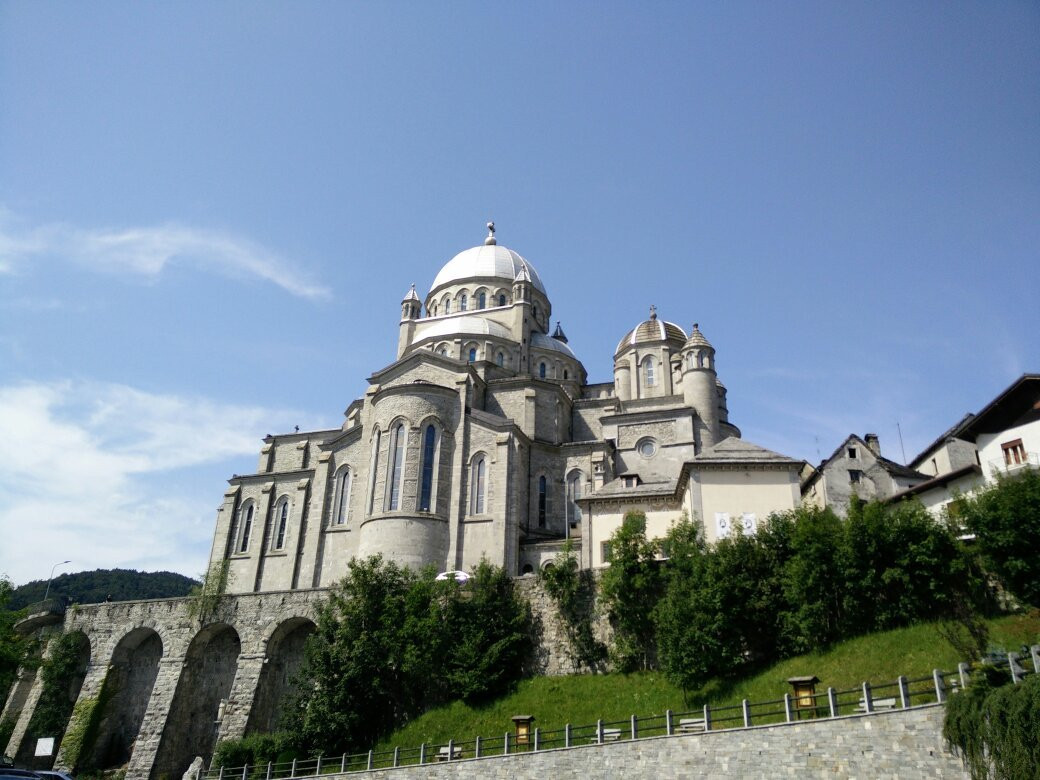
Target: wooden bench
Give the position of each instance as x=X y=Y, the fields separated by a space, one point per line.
x=609 y=735
x=877 y=704
x=442 y=754
x=690 y=726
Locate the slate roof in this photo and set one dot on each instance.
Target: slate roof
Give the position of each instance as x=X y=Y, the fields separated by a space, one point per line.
x=734 y=450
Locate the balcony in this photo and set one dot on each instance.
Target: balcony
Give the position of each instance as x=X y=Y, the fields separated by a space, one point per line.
x=1014 y=462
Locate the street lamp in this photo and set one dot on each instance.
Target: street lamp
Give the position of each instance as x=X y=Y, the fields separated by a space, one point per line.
x=47 y=592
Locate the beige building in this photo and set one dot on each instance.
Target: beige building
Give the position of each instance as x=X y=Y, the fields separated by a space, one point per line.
x=484 y=439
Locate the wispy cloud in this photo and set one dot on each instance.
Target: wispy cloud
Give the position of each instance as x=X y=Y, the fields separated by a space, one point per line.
x=109 y=475
x=146 y=251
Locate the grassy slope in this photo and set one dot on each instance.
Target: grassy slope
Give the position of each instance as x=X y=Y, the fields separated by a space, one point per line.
x=582 y=699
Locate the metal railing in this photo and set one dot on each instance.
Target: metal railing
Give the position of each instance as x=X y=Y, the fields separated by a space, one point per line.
x=865 y=699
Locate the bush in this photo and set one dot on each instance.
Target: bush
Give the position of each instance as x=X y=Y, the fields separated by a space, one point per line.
x=573 y=590
x=996 y=726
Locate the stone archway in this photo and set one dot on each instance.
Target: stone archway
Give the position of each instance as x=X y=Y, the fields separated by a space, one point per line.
x=206 y=679
x=128 y=687
x=284 y=656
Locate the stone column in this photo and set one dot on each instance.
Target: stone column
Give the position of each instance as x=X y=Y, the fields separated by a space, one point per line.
x=457 y=506
x=146 y=748
x=93 y=682
x=316 y=519
x=240 y=699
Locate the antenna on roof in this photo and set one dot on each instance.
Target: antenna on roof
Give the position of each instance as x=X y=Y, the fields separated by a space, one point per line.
x=900 y=430
x=819 y=457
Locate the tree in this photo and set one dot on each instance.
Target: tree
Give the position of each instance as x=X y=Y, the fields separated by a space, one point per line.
x=901 y=565
x=13 y=646
x=631 y=587
x=813 y=581
x=390 y=643
x=1005 y=519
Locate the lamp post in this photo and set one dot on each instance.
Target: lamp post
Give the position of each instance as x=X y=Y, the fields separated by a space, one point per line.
x=47 y=592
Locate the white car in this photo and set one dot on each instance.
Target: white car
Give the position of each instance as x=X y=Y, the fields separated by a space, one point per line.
x=459 y=576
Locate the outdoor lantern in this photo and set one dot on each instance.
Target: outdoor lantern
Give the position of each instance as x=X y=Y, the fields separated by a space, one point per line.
x=523 y=728
x=804 y=692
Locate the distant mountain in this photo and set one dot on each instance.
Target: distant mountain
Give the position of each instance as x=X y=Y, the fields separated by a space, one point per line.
x=90 y=587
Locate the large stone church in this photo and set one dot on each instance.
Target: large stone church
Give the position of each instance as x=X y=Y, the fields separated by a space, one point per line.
x=483 y=439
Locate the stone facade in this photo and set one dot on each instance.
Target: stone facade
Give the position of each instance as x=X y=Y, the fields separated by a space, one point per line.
x=480 y=441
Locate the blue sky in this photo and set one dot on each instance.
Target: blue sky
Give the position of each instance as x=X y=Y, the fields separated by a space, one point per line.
x=209 y=213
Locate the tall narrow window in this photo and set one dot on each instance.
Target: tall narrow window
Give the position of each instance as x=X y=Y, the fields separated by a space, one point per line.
x=648 y=372
x=543 y=501
x=281 y=523
x=541 y=370
x=247 y=527
x=500 y=359
x=478 y=485
x=372 y=472
x=501 y=300
x=447 y=305
x=396 y=465
x=429 y=455
x=342 y=505
x=482 y=301
x=1014 y=452
x=472 y=354
x=574 y=483
x=462 y=302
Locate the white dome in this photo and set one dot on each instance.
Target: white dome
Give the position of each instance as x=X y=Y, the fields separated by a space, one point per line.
x=468 y=324
x=485 y=261
x=541 y=341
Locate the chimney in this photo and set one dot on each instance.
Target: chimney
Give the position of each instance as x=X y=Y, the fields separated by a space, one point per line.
x=872 y=442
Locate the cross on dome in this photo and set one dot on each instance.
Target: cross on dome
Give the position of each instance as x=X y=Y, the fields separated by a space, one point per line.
x=653 y=312
x=490 y=240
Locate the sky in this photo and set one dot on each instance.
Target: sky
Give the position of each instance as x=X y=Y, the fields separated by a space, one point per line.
x=210 y=212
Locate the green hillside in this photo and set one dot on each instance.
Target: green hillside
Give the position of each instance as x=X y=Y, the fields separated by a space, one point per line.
x=90 y=587
x=582 y=699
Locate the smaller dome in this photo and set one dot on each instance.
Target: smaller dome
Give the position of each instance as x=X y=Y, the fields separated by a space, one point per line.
x=465 y=325
x=541 y=341
x=652 y=330
x=697 y=339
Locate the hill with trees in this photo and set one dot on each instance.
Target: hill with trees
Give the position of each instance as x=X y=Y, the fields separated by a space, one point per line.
x=90 y=587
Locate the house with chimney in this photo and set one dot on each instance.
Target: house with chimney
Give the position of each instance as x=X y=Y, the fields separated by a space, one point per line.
x=857 y=468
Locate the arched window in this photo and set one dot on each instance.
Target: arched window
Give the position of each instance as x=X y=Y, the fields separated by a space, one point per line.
x=245 y=523
x=541 y=370
x=543 y=501
x=482 y=300
x=565 y=375
x=372 y=472
x=478 y=485
x=502 y=300
x=429 y=459
x=342 y=501
x=398 y=434
x=447 y=305
x=574 y=486
x=462 y=302
x=281 y=523
x=472 y=354
x=648 y=372
x=500 y=359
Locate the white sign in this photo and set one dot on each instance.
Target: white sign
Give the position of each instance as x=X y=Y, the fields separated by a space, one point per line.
x=45 y=746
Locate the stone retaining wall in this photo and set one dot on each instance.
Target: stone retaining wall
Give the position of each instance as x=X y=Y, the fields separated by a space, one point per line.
x=903 y=744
